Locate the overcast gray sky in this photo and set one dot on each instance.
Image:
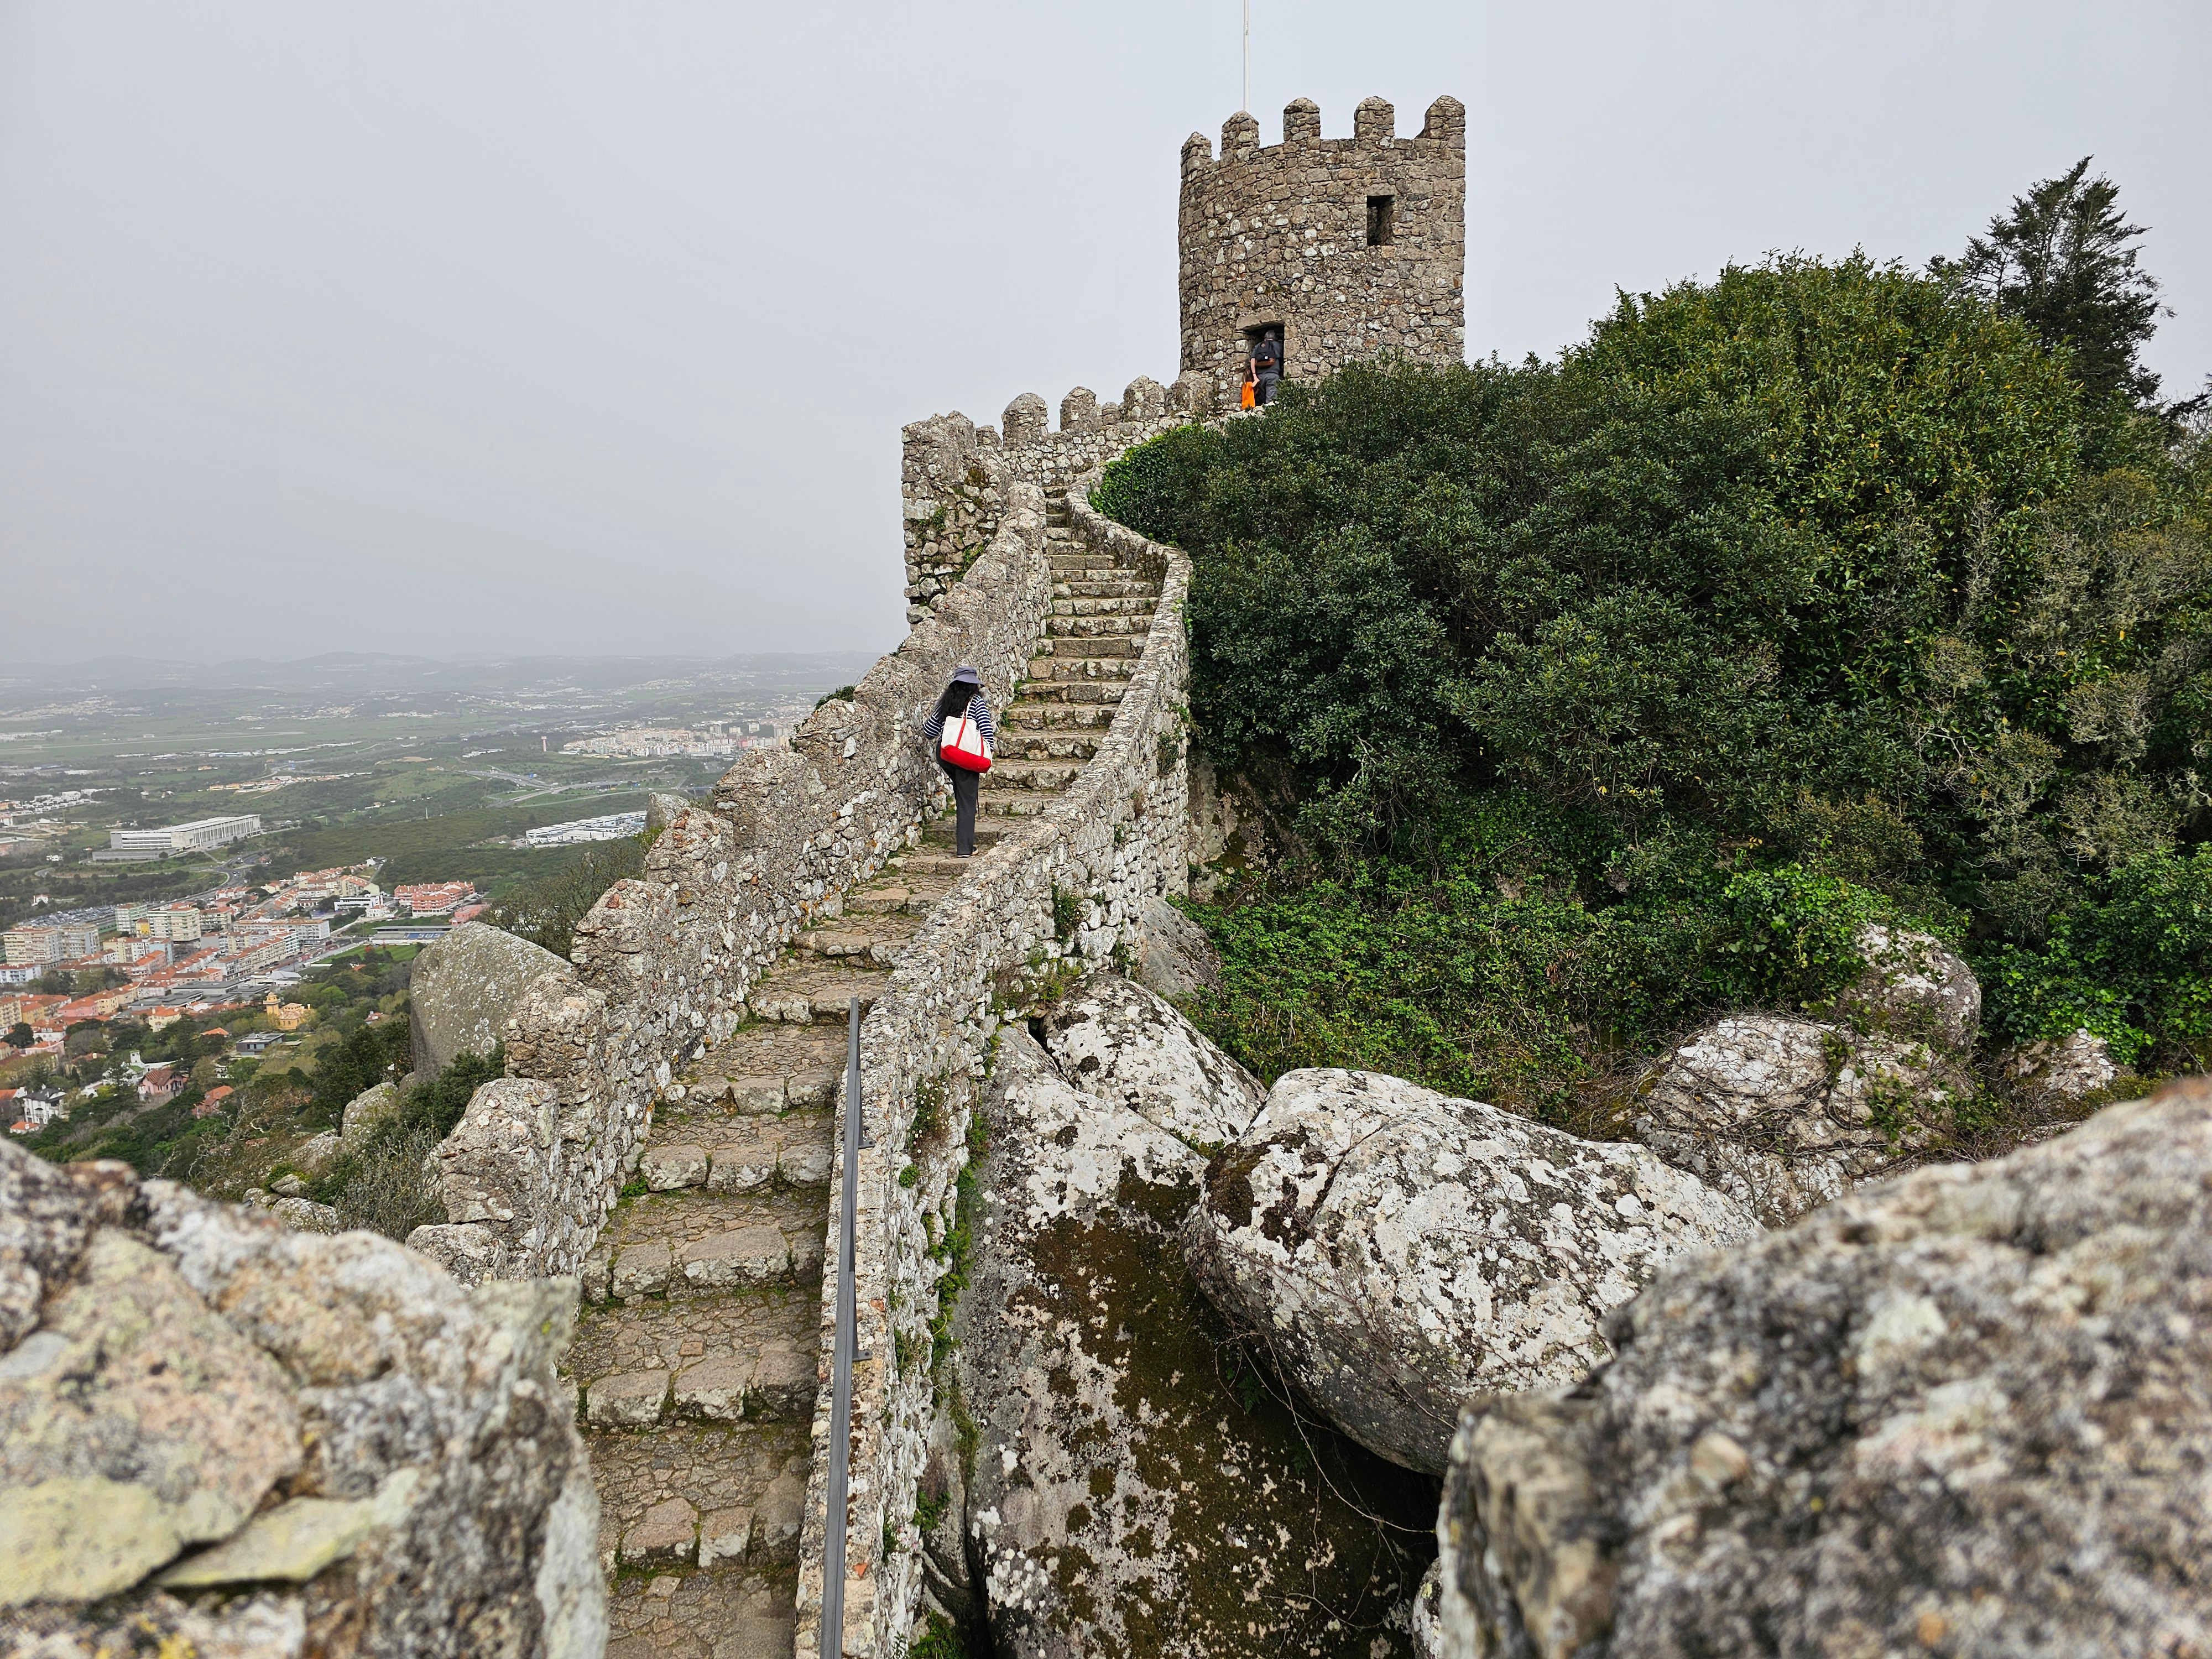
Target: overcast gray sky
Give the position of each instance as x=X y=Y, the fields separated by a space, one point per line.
x=583 y=326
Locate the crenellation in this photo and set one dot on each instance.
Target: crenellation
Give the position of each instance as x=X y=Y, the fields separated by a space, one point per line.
x=1079 y=410
x=1026 y=421
x=1301 y=122
x=1375 y=123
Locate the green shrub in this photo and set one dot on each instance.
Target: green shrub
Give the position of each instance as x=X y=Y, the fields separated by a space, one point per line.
x=386 y=1183
x=2133 y=964
x=546 y=911
x=1606 y=692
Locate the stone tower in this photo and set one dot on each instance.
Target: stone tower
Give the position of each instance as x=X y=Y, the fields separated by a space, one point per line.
x=1353 y=246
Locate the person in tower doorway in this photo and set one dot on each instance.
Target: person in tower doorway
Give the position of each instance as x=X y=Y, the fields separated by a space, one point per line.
x=1266 y=365
x=962 y=699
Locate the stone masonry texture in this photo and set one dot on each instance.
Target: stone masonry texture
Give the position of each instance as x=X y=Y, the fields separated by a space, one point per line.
x=1282 y=236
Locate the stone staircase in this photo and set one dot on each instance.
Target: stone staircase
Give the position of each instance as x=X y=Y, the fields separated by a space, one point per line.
x=697 y=1353
x=1101 y=614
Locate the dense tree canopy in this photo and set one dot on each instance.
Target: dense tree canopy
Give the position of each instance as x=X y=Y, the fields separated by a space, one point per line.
x=1636 y=678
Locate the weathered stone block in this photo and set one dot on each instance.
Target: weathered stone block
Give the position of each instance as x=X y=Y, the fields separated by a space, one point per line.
x=630 y=1399
x=733 y=1260
x=666 y=1535
x=643 y=1269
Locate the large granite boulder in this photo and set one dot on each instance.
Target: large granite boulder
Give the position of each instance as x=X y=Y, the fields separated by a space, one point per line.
x=1134 y=1486
x=1120 y=1042
x=1398 y=1250
x=1175 y=958
x=1966 y=1412
x=1783 y=1114
x=220 y=1436
x=462 y=989
x=1916 y=986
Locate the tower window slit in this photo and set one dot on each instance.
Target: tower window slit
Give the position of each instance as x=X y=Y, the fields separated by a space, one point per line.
x=1381 y=220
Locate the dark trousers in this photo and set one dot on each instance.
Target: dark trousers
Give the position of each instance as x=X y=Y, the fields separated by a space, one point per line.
x=1264 y=390
x=966 y=786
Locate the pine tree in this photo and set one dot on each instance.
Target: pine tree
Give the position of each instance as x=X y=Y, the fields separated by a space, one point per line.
x=2060 y=261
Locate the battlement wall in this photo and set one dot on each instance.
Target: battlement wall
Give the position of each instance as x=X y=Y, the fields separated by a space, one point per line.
x=953 y=474
x=1354 y=246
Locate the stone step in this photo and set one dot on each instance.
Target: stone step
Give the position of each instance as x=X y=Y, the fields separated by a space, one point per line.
x=1135 y=604
x=765 y=1069
x=1014 y=804
x=689 y=1242
x=1048 y=775
x=1093 y=649
x=1017 y=743
x=1075 y=559
x=1102 y=586
x=667 y=1334
x=860 y=938
x=726 y=1153
x=1058 y=670
x=713 y=1556
x=812 y=992
x=941 y=841
x=934 y=857
x=1072 y=691
x=1099 y=628
x=1025 y=713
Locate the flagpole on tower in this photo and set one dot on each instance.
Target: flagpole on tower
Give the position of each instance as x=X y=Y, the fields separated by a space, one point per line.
x=1247 y=105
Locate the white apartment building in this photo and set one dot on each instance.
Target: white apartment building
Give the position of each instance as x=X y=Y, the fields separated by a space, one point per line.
x=32 y=947
x=176 y=923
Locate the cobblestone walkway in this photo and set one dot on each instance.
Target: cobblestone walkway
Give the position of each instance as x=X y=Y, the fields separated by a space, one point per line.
x=697 y=1352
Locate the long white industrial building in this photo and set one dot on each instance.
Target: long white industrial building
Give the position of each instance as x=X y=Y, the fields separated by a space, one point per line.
x=197 y=836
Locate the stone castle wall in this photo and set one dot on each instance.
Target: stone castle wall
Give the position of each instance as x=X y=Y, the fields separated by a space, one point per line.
x=661 y=965
x=1280 y=236
x=1058 y=897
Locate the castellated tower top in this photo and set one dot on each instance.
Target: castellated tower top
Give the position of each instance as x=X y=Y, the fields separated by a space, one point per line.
x=1352 y=246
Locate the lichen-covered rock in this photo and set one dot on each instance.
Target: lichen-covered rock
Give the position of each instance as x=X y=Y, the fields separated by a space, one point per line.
x=365 y=1111
x=1915 y=985
x=1175 y=958
x=1134 y=1487
x=1966 y=1412
x=333 y=1418
x=1783 y=1114
x=2061 y=1074
x=1399 y=1250
x=1120 y=1042
x=301 y=1215
x=464 y=987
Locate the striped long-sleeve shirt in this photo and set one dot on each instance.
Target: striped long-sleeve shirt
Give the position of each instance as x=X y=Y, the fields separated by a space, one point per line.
x=978 y=711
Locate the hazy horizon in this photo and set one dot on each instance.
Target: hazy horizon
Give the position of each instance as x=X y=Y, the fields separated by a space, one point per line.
x=481 y=330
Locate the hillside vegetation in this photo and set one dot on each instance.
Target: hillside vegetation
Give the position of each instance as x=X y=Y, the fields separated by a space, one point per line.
x=1604 y=692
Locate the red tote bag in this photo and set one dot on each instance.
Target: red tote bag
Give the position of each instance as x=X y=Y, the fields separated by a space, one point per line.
x=963 y=746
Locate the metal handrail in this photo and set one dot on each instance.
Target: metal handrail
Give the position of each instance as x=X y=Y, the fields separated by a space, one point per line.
x=840 y=1361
